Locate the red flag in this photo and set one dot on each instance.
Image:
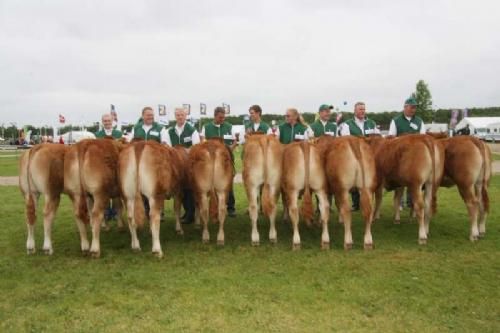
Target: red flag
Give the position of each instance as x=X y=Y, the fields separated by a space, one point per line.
x=62 y=120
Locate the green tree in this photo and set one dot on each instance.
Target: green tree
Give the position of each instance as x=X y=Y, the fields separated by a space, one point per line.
x=424 y=100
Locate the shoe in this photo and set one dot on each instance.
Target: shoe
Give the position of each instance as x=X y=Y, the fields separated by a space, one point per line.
x=231 y=213
x=187 y=220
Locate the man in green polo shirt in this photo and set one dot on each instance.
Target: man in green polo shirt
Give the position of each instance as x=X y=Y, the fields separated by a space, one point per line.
x=294 y=128
x=360 y=126
x=147 y=129
x=256 y=124
x=323 y=126
x=219 y=128
x=185 y=135
x=108 y=131
x=107 y=128
x=407 y=123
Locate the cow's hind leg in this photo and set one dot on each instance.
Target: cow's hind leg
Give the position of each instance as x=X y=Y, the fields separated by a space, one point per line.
x=293 y=212
x=472 y=204
x=419 y=209
x=100 y=203
x=31 y=203
x=132 y=223
x=252 y=193
x=221 y=196
x=398 y=194
x=81 y=219
x=156 y=206
x=273 y=209
x=203 y=212
x=324 y=210
x=49 y=211
x=177 y=212
x=483 y=200
x=366 y=210
x=378 y=202
x=345 y=212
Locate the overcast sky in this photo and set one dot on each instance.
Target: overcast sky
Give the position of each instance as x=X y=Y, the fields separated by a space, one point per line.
x=78 y=57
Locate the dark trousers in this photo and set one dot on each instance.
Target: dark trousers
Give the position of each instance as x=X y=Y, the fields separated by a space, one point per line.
x=188 y=203
x=355 y=199
x=231 y=201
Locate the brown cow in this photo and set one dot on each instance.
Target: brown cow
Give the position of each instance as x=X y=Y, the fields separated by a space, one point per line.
x=41 y=171
x=91 y=180
x=412 y=161
x=300 y=161
x=350 y=164
x=468 y=165
x=262 y=169
x=211 y=173
x=155 y=171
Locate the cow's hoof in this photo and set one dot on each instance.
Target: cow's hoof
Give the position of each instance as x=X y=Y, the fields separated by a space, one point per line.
x=136 y=249
x=397 y=221
x=482 y=234
x=474 y=238
x=158 y=255
x=85 y=252
x=296 y=247
x=368 y=246
x=325 y=245
x=220 y=242
x=95 y=255
x=31 y=251
x=255 y=243
x=273 y=240
x=205 y=241
x=180 y=232
x=422 y=241
x=347 y=246
x=48 y=252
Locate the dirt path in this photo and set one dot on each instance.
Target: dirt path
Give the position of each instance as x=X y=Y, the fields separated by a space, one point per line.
x=13 y=181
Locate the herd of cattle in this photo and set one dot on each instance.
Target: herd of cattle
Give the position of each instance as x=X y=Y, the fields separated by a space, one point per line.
x=93 y=172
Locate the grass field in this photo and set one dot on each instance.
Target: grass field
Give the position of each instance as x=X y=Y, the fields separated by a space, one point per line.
x=450 y=284
x=9 y=162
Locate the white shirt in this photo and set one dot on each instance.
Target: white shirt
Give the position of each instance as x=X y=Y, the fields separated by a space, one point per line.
x=195 y=137
x=108 y=132
x=344 y=129
x=394 y=131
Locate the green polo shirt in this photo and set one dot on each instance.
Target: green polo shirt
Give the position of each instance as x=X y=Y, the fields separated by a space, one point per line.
x=405 y=126
x=115 y=134
x=152 y=134
x=223 y=131
x=368 y=127
x=184 y=139
x=330 y=128
x=289 y=134
x=263 y=127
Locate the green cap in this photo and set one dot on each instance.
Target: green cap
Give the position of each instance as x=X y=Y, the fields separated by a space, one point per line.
x=325 y=107
x=411 y=101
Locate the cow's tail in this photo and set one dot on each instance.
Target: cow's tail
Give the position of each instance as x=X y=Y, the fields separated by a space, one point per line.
x=83 y=212
x=266 y=190
x=139 y=212
x=354 y=144
x=484 y=181
x=430 y=144
x=213 y=202
x=30 y=204
x=307 y=206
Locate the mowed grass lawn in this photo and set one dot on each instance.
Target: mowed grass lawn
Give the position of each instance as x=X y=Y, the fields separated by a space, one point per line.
x=9 y=161
x=450 y=284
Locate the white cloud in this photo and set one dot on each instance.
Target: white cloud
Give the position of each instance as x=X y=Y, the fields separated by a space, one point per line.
x=76 y=58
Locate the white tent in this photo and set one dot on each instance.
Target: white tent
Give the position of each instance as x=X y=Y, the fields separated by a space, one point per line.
x=75 y=136
x=436 y=127
x=477 y=125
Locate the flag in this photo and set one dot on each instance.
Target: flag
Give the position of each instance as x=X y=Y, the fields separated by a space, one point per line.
x=465 y=113
x=114 y=114
x=187 y=107
x=453 y=120
x=162 y=110
x=226 y=107
x=62 y=120
x=203 y=109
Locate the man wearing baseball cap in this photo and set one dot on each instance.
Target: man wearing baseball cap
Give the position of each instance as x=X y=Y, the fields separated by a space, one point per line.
x=323 y=126
x=407 y=122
